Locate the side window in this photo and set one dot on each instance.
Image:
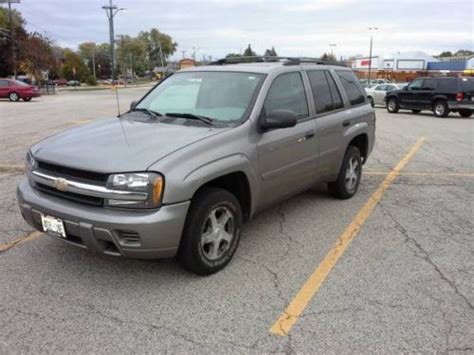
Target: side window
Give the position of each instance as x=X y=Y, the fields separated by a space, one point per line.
x=381 y=87
x=429 y=84
x=352 y=86
x=415 y=85
x=321 y=92
x=336 y=95
x=448 y=85
x=287 y=93
x=3 y=83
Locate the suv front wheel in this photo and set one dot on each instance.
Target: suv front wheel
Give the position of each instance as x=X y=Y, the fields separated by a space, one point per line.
x=392 y=105
x=349 y=176
x=212 y=231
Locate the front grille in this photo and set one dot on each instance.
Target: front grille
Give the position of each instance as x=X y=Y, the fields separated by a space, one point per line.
x=89 y=200
x=75 y=174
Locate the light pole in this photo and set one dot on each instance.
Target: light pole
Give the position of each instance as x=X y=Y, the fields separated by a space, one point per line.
x=332 y=45
x=372 y=30
x=111 y=11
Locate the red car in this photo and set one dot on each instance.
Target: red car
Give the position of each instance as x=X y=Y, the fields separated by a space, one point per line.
x=16 y=90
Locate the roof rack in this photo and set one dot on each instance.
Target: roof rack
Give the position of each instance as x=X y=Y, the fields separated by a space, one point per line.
x=271 y=59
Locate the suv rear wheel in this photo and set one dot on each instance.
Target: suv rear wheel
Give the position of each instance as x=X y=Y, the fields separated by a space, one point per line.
x=212 y=231
x=465 y=113
x=392 y=105
x=349 y=176
x=440 y=108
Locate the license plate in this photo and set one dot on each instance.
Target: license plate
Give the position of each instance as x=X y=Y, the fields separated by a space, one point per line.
x=53 y=225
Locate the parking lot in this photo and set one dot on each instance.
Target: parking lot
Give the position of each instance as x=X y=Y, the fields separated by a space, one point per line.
x=391 y=270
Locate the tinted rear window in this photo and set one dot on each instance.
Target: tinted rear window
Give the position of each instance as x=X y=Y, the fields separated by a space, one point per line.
x=467 y=84
x=355 y=91
x=447 y=85
x=321 y=92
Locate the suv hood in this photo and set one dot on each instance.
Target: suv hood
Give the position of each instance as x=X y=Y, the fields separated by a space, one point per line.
x=118 y=145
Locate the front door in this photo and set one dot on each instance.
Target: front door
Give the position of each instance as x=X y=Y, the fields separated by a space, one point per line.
x=410 y=97
x=4 y=88
x=288 y=156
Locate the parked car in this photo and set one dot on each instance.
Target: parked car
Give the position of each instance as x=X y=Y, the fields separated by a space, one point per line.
x=73 y=83
x=16 y=90
x=197 y=156
x=440 y=95
x=60 y=82
x=376 y=94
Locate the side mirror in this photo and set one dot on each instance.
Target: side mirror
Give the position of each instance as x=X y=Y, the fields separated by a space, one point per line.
x=133 y=104
x=405 y=88
x=279 y=119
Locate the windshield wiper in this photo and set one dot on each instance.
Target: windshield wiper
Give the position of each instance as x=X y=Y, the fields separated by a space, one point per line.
x=149 y=112
x=207 y=120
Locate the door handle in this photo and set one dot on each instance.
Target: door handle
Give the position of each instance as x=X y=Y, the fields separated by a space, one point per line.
x=346 y=123
x=308 y=135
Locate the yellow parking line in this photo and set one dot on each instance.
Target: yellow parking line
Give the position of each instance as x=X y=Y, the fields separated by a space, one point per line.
x=12 y=168
x=23 y=239
x=78 y=122
x=290 y=315
x=422 y=174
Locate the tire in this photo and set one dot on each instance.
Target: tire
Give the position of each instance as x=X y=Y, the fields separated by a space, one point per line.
x=392 y=105
x=465 y=113
x=208 y=244
x=13 y=96
x=27 y=99
x=346 y=186
x=440 y=108
x=371 y=101
x=416 y=111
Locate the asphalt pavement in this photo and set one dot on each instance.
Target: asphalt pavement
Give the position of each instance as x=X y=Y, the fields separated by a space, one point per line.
x=397 y=260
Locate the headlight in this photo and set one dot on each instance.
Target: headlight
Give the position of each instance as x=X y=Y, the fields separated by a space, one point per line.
x=30 y=163
x=150 y=183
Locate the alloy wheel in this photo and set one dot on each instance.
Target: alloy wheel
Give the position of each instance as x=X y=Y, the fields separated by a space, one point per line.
x=218 y=232
x=352 y=174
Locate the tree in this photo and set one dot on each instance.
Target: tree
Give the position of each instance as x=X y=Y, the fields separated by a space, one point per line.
x=328 y=57
x=249 y=52
x=153 y=40
x=6 y=65
x=271 y=52
x=445 y=54
x=74 y=67
x=37 y=56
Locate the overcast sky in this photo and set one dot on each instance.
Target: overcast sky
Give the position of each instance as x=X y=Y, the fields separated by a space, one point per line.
x=217 y=27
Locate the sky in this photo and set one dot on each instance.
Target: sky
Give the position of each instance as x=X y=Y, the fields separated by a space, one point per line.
x=295 y=28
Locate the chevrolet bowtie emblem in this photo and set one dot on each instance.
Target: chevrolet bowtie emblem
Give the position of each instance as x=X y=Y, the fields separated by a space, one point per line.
x=60 y=184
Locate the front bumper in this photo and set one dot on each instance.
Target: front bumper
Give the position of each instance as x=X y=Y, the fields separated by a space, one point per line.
x=135 y=234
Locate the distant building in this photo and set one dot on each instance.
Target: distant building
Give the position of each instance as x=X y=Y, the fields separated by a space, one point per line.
x=186 y=63
x=404 y=61
x=405 y=66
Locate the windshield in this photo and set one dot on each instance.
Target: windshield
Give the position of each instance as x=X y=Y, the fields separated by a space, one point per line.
x=221 y=96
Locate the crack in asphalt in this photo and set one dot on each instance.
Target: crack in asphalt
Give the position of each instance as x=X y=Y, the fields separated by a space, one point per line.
x=425 y=255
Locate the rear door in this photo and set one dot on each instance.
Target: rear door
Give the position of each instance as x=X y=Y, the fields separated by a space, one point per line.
x=330 y=116
x=379 y=93
x=288 y=156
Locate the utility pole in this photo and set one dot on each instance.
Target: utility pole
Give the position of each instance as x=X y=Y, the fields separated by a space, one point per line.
x=372 y=30
x=111 y=11
x=184 y=53
x=332 y=45
x=93 y=61
x=12 y=33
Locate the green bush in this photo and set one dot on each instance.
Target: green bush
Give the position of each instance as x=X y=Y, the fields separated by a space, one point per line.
x=90 y=80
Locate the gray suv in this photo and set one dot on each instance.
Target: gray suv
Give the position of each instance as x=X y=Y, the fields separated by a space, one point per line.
x=197 y=156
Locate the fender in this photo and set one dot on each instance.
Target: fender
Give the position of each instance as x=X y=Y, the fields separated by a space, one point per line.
x=185 y=189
